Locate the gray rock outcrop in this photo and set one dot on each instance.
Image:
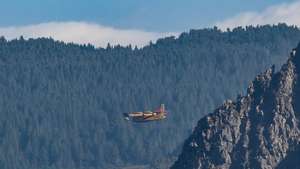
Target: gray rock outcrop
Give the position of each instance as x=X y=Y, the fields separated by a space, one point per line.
x=258 y=131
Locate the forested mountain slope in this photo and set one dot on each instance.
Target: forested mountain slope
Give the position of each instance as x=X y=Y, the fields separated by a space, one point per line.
x=260 y=130
x=61 y=104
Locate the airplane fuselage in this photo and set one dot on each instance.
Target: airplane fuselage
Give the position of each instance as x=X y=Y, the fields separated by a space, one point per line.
x=147 y=115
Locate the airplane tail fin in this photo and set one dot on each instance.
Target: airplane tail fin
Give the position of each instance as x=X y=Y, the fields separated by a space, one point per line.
x=162 y=107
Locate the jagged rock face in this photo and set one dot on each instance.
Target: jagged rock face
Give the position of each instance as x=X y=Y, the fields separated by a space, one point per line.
x=259 y=130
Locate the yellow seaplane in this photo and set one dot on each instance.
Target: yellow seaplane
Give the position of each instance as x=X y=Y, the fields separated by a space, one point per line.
x=147 y=116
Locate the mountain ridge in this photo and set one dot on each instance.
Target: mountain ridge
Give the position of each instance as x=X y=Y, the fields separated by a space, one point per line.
x=259 y=130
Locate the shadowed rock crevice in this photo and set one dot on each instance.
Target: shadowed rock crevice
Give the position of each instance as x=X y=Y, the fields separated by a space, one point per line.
x=291 y=160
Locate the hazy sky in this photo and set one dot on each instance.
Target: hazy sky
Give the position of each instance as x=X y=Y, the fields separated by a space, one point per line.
x=150 y=18
x=149 y=15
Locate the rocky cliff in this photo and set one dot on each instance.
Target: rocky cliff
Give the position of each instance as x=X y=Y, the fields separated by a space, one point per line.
x=259 y=130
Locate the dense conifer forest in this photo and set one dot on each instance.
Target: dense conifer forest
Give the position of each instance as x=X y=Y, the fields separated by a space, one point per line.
x=61 y=104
